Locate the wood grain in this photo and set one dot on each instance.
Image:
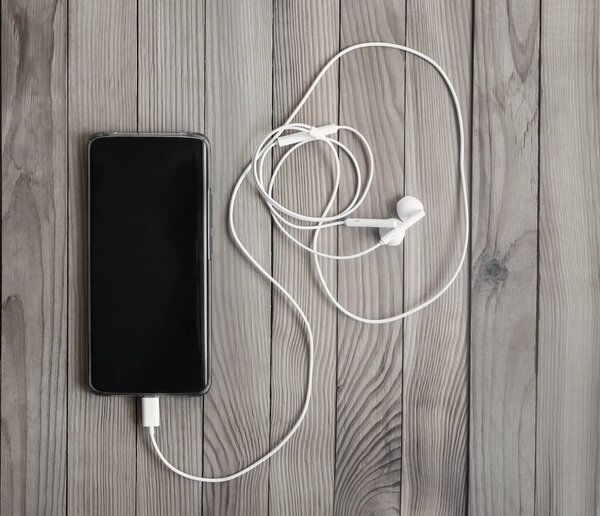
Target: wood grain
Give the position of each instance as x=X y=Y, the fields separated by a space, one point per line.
x=568 y=394
x=34 y=258
x=102 y=96
x=301 y=475
x=171 y=99
x=369 y=398
x=504 y=247
x=436 y=352
x=238 y=109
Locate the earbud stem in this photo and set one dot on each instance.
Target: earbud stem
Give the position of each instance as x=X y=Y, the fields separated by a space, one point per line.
x=413 y=219
x=395 y=236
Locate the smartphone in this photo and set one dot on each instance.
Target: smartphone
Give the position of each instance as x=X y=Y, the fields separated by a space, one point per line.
x=148 y=263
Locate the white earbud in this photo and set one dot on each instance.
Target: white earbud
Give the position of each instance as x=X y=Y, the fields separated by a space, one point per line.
x=391 y=231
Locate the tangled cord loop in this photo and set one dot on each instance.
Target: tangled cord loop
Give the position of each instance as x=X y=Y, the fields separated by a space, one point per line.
x=285 y=217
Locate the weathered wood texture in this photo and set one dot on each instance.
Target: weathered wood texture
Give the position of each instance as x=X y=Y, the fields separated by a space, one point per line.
x=398 y=422
x=102 y=94
x=504 y=250
x=171 y=99
x=436 y=351
x=302 y=475
x=34 y=258
x=238 y=107
x=568 y=389
x=369 y=399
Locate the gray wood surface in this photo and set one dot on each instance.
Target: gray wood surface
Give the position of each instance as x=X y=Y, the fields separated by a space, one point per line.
x=504 y=257
x=238 y=105
x=488 y=402
x=34 y=258
x=568 y=387
x=436 y=348
x=299 y=487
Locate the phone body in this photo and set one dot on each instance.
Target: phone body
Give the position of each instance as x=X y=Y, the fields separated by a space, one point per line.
x=149 y=234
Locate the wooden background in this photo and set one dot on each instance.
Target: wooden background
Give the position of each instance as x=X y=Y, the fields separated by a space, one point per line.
x=488 y=402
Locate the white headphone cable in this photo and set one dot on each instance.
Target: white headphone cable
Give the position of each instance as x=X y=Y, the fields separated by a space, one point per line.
x=305 y=134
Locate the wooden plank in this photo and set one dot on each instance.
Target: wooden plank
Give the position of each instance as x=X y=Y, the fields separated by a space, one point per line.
x=504 y=246
x=369 y=399
x=171 y=99
x=102 y=96
x=34 y=257
x=238 y=112
x=568 y=395
x=302 y=474
x=171 y=66
x=436 y=353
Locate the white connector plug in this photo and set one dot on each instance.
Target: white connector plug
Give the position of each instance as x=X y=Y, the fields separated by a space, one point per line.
x=150 y=412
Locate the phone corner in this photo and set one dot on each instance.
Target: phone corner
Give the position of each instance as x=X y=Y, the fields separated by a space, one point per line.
x=207 y=386
x=202 y=137
x=97 y=136
x=94 y=390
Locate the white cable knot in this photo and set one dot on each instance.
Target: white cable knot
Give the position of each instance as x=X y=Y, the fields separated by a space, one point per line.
x=315 y=133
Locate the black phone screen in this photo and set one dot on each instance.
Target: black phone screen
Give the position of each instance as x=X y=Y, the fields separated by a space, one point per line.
x=148 y=264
